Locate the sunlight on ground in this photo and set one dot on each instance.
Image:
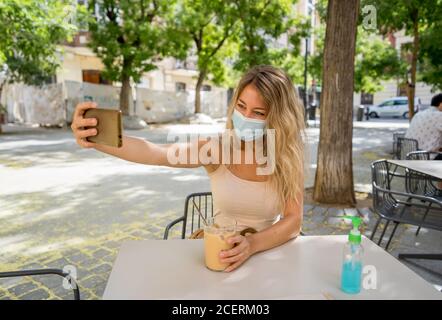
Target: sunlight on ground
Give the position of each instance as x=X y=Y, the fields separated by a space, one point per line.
x=135 y=192
x=52 y=246
x=189 y=177
x=65 y=179
x=14 y=244
x=31 y=143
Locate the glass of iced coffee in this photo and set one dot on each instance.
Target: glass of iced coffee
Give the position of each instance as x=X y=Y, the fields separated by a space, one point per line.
x=216 y=233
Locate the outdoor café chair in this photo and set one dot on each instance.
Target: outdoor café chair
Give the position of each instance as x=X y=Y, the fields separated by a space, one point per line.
x=405 y=146
x=419 y=183
x=201 y=201
x=422 y=155
x=396 y=135
x=40 y=272
x=402 y=207
x=401 y=147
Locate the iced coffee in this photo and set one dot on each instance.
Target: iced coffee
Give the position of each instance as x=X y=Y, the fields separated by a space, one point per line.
x=216 y=233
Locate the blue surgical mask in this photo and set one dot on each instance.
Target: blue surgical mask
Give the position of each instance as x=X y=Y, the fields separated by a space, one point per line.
x=246 y=128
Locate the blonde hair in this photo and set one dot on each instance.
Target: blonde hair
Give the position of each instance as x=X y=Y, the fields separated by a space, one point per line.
x=286 y=116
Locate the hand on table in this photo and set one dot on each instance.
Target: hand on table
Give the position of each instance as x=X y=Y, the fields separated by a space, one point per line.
x=238 y=254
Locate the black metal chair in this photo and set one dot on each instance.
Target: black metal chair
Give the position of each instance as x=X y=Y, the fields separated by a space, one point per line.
x=422 y=155
x=201 y=201
x=405 y=146
x=40 y=272
x=401 y=147
x=396 y=135
x=419 y=183
x=401 y=207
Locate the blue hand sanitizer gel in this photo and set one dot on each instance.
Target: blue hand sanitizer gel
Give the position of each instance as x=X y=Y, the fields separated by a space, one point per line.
x=351 y=276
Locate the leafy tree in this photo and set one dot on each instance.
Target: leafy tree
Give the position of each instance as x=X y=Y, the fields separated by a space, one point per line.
x=292 y=60
x=257 y=41
x=29 y=34
x=262 y=22
x=375 y=60
x=413 y=17
x=209 y=26
x=129 y=37
x=315 y=60
x=430 y=56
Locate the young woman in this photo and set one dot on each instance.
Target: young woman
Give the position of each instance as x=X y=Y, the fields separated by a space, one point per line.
x=270 y=203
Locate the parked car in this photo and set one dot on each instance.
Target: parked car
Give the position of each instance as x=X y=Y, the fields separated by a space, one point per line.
x=394 y=107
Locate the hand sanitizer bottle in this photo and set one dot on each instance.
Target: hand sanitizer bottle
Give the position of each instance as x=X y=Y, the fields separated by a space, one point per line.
x=351 y=276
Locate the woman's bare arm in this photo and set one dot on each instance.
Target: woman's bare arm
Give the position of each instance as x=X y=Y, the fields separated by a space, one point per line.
x=136 y=149
x=285 y=229
x=145 y=152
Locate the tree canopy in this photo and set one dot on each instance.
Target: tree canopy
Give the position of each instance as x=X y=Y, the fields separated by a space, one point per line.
x=29 y=34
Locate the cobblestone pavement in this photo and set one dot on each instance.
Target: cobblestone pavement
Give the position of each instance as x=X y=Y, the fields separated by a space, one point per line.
x=62 y=205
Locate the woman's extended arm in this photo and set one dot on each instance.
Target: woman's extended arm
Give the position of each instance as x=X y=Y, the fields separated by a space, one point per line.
x=285 y=229
x=134 y=149
x=142 y=151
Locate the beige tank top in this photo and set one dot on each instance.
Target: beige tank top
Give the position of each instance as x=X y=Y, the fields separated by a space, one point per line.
x=252 y=203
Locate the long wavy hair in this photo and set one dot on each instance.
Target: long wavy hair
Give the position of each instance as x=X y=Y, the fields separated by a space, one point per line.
x=286 y=116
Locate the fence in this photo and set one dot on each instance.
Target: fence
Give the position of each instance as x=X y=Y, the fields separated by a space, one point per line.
x=161 y=106
x=31 y=104
x=54 y=104
x=104 y=95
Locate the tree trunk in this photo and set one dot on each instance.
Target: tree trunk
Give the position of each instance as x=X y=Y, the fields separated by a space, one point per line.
x=125 y=95
x=412 y=84
x=334 y=173
x=199 y=84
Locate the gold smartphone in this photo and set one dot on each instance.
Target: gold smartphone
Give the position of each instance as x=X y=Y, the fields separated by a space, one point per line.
x=109 y=126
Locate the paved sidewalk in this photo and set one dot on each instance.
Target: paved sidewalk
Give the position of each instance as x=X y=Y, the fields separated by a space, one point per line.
x=63 y=205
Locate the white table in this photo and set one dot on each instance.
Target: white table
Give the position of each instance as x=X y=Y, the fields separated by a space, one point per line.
x=430 y=167
x=308 y=267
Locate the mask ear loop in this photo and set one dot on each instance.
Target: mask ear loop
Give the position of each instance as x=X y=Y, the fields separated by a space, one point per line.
x=232 y=132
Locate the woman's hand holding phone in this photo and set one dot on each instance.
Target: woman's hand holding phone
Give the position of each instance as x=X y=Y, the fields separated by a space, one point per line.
x=79 y=123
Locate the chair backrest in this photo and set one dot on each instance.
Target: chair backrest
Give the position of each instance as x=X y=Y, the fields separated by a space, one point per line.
x=192 y=219
x=381 y=178
x=418 y=183
x=421 y=155
x=405 y=146
x=396 y=135
x=380 y=174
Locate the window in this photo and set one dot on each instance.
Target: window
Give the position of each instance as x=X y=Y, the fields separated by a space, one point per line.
x=387 y=103
x=206 y=87
x=180 y=86
x=400 y=102
x=94 y=76
x=180 y=64
x=366 y=98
